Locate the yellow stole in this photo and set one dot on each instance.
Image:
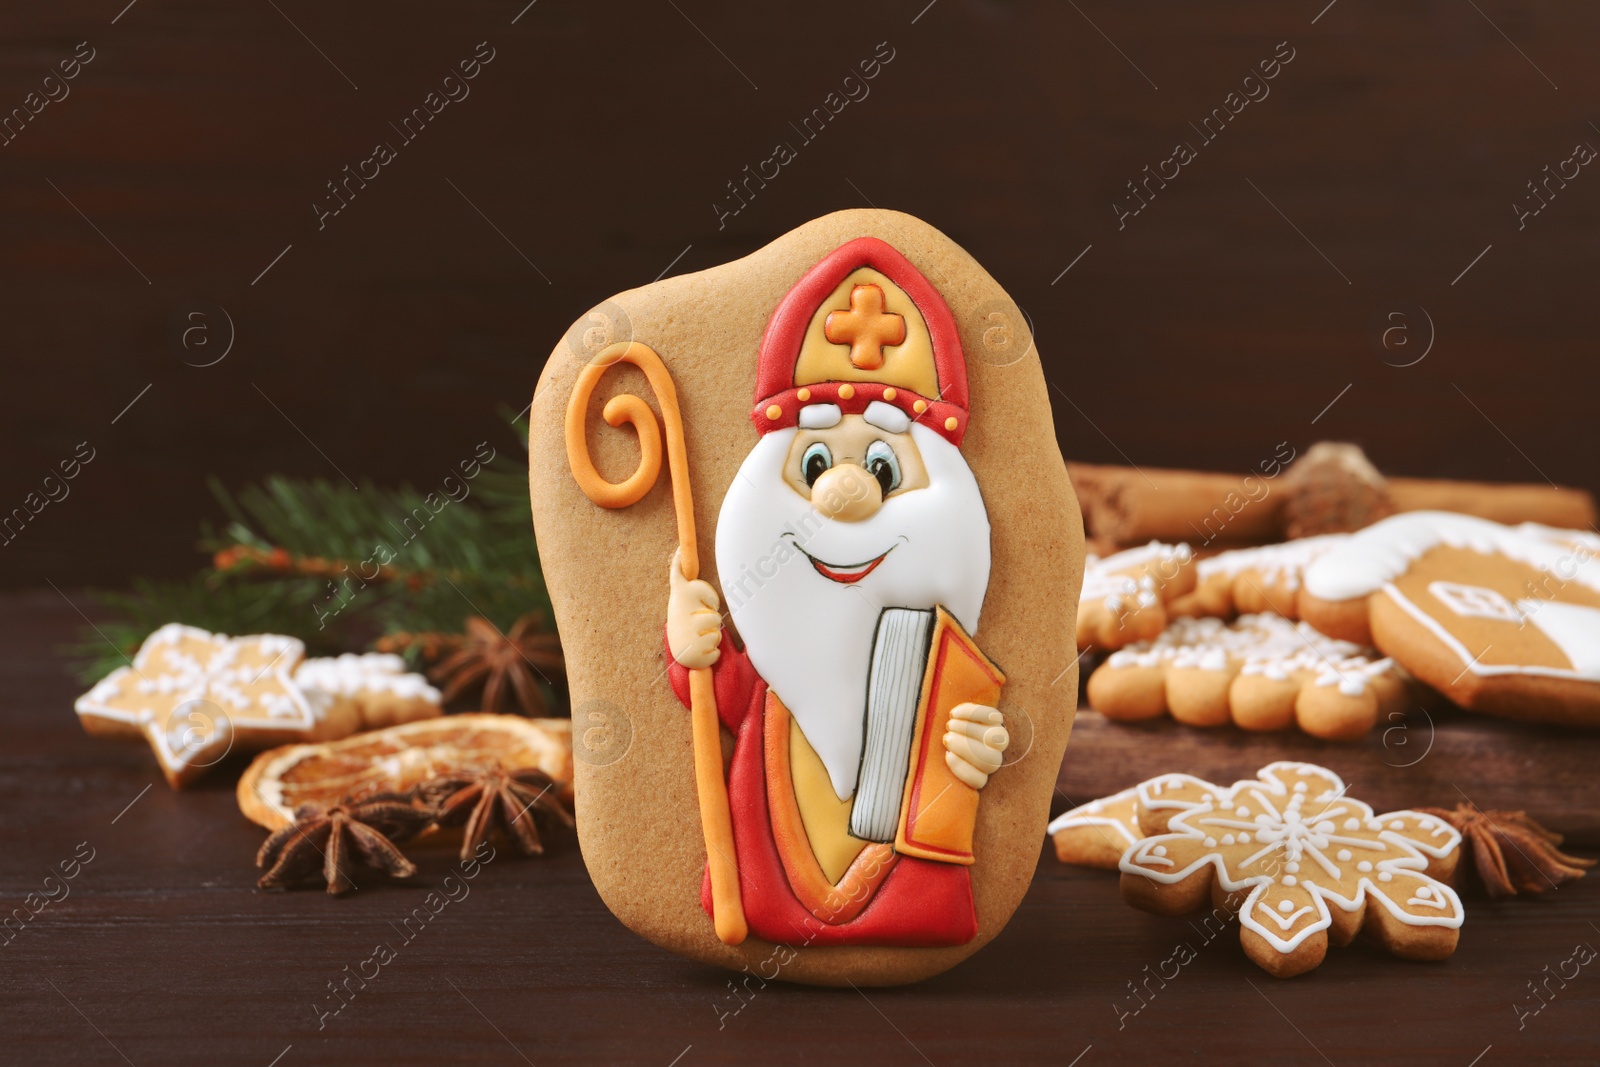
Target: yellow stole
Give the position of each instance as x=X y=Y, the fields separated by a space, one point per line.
x=833 y=874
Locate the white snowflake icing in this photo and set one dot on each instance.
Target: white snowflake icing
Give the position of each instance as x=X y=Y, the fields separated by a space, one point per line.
x=1297 y=842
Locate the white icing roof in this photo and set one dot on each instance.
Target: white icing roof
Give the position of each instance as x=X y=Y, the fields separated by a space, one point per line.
x=1379 y=554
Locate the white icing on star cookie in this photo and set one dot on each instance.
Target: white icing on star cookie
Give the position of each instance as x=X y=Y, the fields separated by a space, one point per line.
x=194 y=695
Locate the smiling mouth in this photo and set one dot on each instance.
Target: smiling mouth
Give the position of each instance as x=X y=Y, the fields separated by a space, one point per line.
x=845 y=573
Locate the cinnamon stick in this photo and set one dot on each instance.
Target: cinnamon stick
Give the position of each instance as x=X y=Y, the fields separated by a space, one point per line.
x=1129 y=506
x=1570 y=509
x=1125 y=506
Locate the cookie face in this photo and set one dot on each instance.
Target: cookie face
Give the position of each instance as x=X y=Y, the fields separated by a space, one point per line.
x=843 y=508
x=195 y=695
x=1125 y=596
x=1260 y=672
x=1499 y=619
x=1300 y=861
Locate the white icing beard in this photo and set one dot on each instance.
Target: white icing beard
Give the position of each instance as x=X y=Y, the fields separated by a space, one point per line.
x=811 y=637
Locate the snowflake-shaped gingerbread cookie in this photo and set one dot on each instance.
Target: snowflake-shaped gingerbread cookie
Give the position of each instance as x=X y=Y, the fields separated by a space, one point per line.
x=1302 y=864
x=194 y=695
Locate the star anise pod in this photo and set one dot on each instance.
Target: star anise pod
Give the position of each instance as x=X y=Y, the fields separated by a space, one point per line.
x=482 y=798
x=330 y=840
x=505 y=663
x=1512 y=853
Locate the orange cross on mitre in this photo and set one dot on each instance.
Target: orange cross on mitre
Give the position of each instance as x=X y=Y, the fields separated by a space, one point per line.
x=866 y=327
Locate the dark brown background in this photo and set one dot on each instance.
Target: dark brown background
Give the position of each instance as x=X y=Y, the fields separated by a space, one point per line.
x=595 y=146
x=600 y=137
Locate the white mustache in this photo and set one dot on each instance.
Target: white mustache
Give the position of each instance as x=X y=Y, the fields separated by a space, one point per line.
x=809 y=636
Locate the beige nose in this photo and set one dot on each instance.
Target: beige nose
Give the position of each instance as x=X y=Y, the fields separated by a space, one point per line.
x=847 y=493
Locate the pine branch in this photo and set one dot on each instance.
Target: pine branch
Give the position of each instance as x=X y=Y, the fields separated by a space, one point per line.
x=340 y=567
x=432 y=558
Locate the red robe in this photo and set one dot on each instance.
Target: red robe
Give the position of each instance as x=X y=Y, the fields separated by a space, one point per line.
x=919 y=903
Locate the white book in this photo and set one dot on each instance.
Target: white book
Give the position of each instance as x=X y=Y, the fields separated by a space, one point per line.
x=894 y=688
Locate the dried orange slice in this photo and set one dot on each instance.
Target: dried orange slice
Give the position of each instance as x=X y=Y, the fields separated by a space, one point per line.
x=397 y=759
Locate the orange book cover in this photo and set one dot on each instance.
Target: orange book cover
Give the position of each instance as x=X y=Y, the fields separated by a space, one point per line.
x=939 y=811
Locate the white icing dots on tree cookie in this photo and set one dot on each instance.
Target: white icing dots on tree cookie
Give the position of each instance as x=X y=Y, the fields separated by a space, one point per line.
x=1253 y=580
x=363 y=692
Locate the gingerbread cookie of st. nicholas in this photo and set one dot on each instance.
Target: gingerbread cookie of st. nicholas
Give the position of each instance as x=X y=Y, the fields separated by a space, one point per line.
x=872 y=583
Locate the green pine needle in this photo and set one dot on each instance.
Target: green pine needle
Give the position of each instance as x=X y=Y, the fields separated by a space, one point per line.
x=463 y=547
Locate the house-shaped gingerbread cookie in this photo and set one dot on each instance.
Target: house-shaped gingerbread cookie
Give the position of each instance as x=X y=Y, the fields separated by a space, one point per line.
x=1499 y=619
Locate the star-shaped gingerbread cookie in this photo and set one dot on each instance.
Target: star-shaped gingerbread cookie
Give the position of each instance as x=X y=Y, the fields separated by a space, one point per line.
x=193 y=695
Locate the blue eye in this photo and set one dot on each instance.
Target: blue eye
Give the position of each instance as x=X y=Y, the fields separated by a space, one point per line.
x=883 y=465
x=815 y=461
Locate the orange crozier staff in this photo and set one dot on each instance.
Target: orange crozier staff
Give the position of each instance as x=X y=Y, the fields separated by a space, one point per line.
x=727 y=908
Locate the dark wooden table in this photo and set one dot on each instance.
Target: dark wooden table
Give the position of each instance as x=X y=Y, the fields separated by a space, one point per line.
x=163 y=952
